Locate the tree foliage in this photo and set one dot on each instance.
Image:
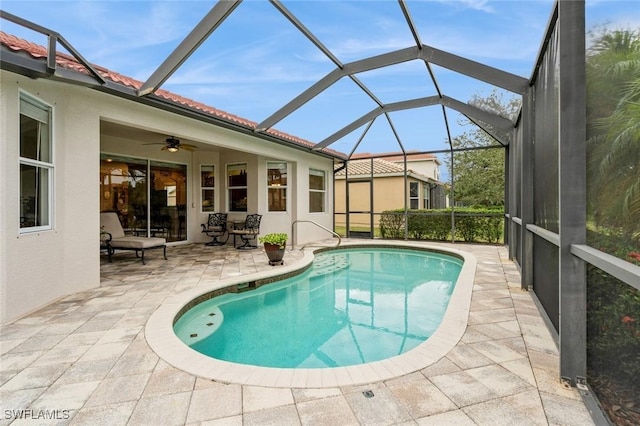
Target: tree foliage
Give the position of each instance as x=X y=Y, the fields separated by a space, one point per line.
x=613 y=129
x=479 y=173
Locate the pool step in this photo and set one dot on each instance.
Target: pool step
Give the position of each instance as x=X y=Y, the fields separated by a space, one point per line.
x=328 y=264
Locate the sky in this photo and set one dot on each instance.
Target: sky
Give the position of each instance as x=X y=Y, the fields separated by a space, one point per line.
x=257 y=61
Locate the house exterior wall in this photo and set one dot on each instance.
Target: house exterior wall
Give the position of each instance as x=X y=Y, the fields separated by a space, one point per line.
x=44 y=266
x=38 y=268
x=428 y=167
x=388 y=194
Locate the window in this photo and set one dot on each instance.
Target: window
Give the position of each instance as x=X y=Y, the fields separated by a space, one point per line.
x=36 y=165
x=414 y=198
x=208 y=186
x=277 y=186
x=426 y=196
x=316 y=191
x=237 y=184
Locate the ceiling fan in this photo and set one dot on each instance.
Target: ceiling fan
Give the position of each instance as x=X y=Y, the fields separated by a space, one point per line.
x=173 y=144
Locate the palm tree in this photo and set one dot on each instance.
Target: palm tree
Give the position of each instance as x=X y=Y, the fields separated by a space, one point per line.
x=613 y=105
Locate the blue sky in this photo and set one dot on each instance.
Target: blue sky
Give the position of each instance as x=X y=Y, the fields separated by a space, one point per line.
x=257 y=61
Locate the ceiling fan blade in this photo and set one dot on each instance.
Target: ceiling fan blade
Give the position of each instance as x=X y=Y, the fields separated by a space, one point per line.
x=188 y=147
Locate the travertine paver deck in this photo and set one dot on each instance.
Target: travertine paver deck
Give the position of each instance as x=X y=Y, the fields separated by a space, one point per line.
x=85 y=360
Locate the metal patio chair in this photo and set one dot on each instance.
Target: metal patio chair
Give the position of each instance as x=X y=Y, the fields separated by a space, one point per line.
x=216 y=227
x=248 y=231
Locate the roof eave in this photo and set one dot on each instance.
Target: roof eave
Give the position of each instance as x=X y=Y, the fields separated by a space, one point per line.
x=37 y=68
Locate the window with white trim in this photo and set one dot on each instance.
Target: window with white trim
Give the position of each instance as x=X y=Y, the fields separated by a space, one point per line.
x=237 y=185
x=208 y=187
x=36 y=165
x=426 y=191
x=317 y=191
x=414 y=196
x=276 y=186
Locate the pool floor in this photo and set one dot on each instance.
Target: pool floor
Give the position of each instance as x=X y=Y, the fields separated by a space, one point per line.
x=352 y=307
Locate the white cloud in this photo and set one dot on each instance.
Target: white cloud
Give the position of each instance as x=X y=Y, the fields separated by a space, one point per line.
x=481 y=5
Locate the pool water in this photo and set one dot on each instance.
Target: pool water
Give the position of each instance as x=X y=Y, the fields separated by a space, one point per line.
x=353 y=306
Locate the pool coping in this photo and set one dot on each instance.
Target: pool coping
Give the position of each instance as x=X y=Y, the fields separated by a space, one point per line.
x=164 y=342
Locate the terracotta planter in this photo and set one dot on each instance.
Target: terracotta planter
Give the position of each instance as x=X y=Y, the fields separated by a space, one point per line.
x=274 y=253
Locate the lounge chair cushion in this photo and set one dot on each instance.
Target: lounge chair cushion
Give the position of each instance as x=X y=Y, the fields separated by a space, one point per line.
x=110 y=223
x=137 y=243
x=118 y=240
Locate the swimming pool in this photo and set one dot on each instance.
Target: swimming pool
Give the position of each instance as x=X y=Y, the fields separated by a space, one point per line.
x=353 y=306
x=161 y=337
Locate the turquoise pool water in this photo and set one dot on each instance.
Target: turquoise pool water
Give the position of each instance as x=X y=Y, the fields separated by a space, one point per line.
x=353 y=306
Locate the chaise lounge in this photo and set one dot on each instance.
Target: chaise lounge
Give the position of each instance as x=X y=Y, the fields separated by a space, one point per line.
x=116 y=239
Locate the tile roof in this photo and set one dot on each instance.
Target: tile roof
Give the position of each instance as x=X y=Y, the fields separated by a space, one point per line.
x=380 y=167
x=68 y=62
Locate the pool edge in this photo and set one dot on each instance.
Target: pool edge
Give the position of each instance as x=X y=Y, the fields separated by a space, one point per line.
x=164 y=342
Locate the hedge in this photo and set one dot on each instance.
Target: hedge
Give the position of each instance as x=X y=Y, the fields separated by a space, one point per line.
x=613 y=315
x=472 y=224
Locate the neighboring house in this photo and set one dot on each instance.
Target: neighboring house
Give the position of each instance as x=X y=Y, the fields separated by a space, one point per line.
x=73 y=145
x=382 y=182
x=425 y=164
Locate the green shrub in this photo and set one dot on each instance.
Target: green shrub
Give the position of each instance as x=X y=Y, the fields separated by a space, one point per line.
x=440 y=227
x=418 y=226
x=472 y=224
x=491 y=230
x=468 y=227
x=613 y=315
x=392 y=224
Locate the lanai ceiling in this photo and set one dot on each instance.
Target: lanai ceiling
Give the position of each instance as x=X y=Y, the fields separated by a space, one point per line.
x=355 y=76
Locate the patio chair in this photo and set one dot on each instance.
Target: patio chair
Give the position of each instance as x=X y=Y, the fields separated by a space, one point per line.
x=216 y=227
x=116 y=239
x=248 y=231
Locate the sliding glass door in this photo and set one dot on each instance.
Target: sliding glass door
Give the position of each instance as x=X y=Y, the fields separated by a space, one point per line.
x=168 y=200
x=150 y=197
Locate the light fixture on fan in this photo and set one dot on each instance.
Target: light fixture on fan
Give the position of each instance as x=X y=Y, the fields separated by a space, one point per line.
x=172 y=148
x=173 y=144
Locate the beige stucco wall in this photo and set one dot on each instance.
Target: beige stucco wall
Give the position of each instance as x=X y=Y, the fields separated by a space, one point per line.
x=388 y=194
x=38 y=268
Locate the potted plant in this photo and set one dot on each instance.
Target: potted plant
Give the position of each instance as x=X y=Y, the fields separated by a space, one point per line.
x=274 y=245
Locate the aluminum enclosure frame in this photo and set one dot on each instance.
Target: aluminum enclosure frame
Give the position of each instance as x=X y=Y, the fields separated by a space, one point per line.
x=567 y=17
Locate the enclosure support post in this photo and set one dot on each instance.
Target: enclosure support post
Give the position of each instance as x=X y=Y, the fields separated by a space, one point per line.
x=511 y=153
x=371 y=197
x=526 y=189
x=508 y=187
x=572 y=189
x=406 y=195
x=346 y=199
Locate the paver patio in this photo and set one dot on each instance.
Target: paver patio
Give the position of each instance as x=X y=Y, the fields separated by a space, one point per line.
x=84 y=359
